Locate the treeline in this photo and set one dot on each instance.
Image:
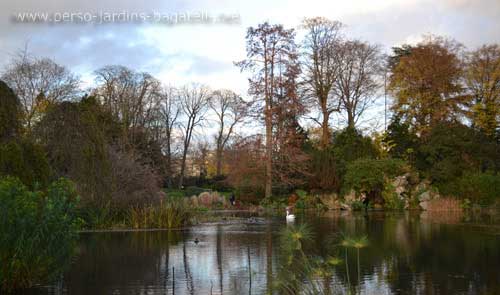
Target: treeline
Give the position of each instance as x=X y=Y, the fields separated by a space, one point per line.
x=128 y=137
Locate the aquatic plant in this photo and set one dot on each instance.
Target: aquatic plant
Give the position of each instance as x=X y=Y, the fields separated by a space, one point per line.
x=359 y=243
x=167 y=214
x=38 y=232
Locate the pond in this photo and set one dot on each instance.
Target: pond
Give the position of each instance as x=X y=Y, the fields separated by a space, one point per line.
x=407 y=253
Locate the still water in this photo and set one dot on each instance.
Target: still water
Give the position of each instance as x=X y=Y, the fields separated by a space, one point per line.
x=408 y=253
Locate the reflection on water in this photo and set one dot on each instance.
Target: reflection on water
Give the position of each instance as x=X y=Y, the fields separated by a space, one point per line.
x=415 y=253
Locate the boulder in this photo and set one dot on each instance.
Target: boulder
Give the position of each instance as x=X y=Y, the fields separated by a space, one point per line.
x=424 y=205
x=425 y=196
x=344 y=206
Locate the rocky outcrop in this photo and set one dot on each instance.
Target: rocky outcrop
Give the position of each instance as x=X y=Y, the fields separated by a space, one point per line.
x=208 y=199
x=419 y=194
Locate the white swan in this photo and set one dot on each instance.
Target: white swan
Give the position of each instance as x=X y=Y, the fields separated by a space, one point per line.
x=289 y=217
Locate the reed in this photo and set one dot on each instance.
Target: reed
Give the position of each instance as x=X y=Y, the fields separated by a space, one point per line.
x=167 y=214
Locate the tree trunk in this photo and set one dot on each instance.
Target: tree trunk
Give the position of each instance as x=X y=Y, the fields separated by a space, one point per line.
x=325 y=136
x=218 y=156
x=269 y=151
x=183 y=168
x=350 y=119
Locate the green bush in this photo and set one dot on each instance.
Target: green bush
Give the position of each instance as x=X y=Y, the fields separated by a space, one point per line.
x=349 y=146
x=38 y=232
x=357 y=205
x=369 y=175
x=10 y=113
x=391 y=198
x=479 y=188
x=174 y=193
x=452 y=149
x=194 y=191
x=25 y=160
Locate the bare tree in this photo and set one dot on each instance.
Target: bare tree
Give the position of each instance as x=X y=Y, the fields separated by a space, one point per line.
x=269 y=48
x=169 y=110
x=321 y=63
x=194 y=101
x=131 y=97
x=230 y=110
x=358 y=78
x=39 y=82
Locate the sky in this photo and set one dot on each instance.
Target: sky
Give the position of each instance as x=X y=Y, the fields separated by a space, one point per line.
x=179 y=54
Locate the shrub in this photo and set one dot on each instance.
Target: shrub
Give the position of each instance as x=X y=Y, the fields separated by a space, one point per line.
x=349 y=146
x=479 y=188
x=391 y=198
x=452 y=149
x=369 y=175
x=194 y=191
x=174 y=193
x=25 y=160
x=357 y=205
x=10 y=113
x=39 y=232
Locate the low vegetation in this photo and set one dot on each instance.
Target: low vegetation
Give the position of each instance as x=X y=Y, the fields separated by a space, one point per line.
x=39 y=232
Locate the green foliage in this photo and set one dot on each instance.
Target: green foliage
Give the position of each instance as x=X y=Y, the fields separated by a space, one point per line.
x=357 y=205
x=274 y=202
x=477 y=188
x=350 y=145
x=25 y=160
x=402 y=142
x=194 y=191
x=368 y=175
x=75 y=137
x=10 y=113
x=391 y=198
x=452 y=149
x=174 y=193
x=39 y=232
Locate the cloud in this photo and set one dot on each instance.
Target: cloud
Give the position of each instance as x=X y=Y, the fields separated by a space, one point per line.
x=181 y=54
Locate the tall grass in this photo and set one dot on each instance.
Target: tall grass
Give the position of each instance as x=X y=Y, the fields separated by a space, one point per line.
x=38 y=232
x=167 y=214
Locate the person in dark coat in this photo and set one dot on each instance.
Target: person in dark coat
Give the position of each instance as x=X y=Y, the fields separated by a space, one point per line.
x=232 y=199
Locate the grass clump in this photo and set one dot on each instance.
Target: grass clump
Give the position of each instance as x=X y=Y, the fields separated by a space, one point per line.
x=38 y=232
x=167 y=214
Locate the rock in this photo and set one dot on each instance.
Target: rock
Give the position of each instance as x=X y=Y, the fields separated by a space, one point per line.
x=424 y=205
x=425 y=196
x=422 y=186
x=378 y=207
x=344 y=206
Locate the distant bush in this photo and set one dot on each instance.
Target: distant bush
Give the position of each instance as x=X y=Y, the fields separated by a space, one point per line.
x=194 y=191
x=25 y=160
x=174 y=193
x=357 y=205
x=479 y=188
x=391 y=198
x=38 y=232
x=369 y=175
x=450 y=150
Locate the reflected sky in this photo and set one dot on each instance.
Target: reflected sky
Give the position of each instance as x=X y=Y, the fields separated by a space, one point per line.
x=417 y=253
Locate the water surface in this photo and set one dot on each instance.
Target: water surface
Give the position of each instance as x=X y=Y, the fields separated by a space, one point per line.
x=408 y=253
